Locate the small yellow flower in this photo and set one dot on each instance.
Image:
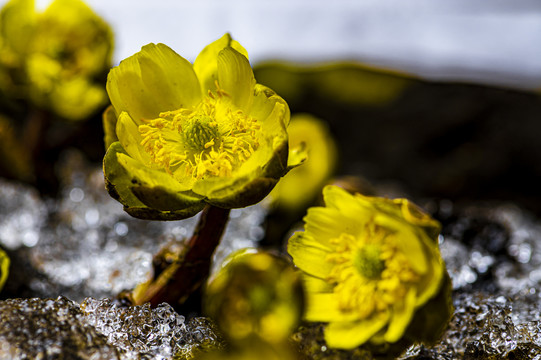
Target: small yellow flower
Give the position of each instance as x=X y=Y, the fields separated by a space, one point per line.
x=55 y=58
x=253 y=350
x=301 y=185
x=256 y=295
x=4 y=268
x=369 y=265
x=192 y=135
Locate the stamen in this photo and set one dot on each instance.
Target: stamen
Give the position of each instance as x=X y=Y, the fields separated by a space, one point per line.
x=369 y=274
x=202 y=142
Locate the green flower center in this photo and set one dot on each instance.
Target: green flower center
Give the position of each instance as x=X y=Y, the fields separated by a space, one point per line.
x=200 y=133
x=368 y=261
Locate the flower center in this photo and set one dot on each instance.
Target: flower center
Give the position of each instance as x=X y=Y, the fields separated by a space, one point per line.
x=368 y=262
x=370 y=273
x=200 y=133
x=206 y=141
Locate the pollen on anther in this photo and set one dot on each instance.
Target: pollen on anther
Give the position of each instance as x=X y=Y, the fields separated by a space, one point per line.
x=204 y=143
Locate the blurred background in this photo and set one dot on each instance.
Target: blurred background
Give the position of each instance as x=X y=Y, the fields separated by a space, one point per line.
x=425 y=99
x=493 y=42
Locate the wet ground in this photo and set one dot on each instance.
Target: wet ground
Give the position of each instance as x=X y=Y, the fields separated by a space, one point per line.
x=85 y=248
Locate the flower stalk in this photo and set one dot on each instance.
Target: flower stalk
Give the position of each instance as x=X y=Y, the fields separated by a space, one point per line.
x=190 y=267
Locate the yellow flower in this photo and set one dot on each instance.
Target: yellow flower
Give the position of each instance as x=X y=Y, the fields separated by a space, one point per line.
x=254 y=350
x=302 y=184
x=192 y=135
x=369 y=265
x=55 y=58
x=256 y=295
x=4 y=268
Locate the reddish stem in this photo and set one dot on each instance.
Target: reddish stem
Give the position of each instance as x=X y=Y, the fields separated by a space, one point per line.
x=187 y=273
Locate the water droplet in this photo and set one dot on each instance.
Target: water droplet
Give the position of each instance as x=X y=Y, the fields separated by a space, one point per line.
x=30 y=238
x=121 y=229
x=92 y=216
x=524 y=253
x=256 y=233
x=468 y=275
x=111 y=246
x=77 y=194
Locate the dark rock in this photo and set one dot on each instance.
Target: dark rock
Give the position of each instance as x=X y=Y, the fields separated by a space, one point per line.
x=49 y=329
x=100 y=330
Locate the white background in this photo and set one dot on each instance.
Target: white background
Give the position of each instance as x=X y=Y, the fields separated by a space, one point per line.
x=485 y=41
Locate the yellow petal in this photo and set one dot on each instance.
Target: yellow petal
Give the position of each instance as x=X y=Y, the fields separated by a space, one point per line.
x=324 y=308
x=314 y=284
x=355 y=207
x=309 y=256
x=236 y=77
x=415 y=215
x=117 y=180
x=150 y=177
x=169 y=77
x=349 y=335
x=4 y=268
x=402 y=314
x=264 y=103
x=278 y=164
x=73 y=25
x=430 y=284
x=17 y=21
x=296 y=157
x=154 y=80
x=410 y=245
x=109 y=120
x=310 y=145
x=68 y=12
x=407 y=240
x=275 y=122
x=324 y=224
x=337 y=198
x=270 y=158
x=77 y=98
x=130 y=138
x=206 y=63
